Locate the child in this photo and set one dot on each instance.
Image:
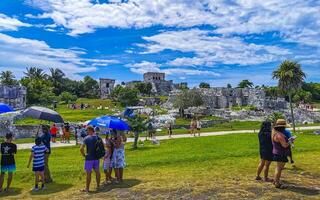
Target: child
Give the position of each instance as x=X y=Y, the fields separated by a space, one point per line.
x=37 y=154
x=107 y=161
x=8 y=149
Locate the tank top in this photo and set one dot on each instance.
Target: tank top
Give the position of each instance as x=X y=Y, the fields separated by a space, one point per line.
x=278 y=149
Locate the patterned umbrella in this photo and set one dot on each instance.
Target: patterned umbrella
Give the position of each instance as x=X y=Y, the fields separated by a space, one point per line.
x=42 y=113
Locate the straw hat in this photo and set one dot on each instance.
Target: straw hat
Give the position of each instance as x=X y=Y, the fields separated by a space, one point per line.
x=281 y=123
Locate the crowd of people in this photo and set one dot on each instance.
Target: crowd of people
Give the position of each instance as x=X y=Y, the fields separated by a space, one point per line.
x=92 y=148
x=275 y=143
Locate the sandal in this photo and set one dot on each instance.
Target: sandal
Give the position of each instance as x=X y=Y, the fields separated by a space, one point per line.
x=268 y=180
x=84 y=190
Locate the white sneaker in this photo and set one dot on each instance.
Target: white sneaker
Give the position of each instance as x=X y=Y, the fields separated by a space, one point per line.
x=35 y=189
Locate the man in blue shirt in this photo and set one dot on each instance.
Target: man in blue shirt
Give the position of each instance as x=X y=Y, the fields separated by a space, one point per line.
x=288 y=134
x=45 y=139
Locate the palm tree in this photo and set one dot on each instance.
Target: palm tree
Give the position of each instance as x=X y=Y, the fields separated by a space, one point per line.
x=56 y=76
x=245 y=84
x=7 y=78
x=290 y=78
x=35 y=73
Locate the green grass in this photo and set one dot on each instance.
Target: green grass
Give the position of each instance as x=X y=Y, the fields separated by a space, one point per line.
x=219 y=167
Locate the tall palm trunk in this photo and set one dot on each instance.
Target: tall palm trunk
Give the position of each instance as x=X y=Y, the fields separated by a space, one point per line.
x=292 y=115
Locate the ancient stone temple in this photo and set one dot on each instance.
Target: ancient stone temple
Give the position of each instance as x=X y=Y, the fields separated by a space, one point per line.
x=160 y=86
x=15 y=96
x=221 y=97
x=106 y=87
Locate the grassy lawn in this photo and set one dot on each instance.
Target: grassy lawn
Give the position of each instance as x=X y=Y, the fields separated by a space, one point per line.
x=219 y=167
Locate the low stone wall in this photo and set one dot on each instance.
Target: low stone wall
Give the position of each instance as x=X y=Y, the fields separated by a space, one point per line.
x=25 y=131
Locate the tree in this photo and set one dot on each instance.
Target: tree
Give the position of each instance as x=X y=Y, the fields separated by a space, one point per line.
x=144 y=88
x=302 y=96
x=137 y=125
x=245 y=84
x=273 y=92
x=56 y=77
x=186 y=99
x=90 y=87
x=67 y=97
x=7 y=78
x=128 y=97
x=229 y=85
x=39 y=91
x=35 y=73
x=290 y=78
x=204 y=85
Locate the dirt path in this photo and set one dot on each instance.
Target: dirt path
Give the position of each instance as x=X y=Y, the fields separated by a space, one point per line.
x=165 y=137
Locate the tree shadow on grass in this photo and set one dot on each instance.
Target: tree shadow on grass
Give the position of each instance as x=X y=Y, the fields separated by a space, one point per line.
x=52 y=188
x=127 y=183
x=12 y=192
x=309 y=191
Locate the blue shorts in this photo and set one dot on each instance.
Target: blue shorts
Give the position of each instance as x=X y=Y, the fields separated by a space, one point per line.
x=38 y=169
x=8 y=168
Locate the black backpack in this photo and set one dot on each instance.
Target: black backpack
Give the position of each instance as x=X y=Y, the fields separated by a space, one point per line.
x=99 y=148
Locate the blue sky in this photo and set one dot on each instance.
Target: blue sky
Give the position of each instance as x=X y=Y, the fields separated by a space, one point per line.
x=215 y=41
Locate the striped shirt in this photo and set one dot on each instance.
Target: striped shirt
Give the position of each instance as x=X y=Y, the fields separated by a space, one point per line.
x=38 y=151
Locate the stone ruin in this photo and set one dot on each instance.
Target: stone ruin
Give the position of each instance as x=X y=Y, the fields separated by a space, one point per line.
x=220 y=98
x=223 y=98
x=15 y=96
x=160 y=86
x=106 y=87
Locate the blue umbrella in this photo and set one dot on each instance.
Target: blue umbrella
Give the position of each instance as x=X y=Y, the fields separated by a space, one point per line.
x=4 y=108
x=110 y=122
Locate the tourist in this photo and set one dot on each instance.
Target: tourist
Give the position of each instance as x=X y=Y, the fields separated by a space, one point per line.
x=198 y=124
x=280 y=150
x=83 y=134
x=53 y=132
x=66 y=133
x=193 y=126
x=266 y=155
x=8 y=165
x=169 y=129
x=288 y=134
x=107 y=160
x=46 y=138
x=38 y=156
x=91 y=161
x=118 y=157
x=150 y=130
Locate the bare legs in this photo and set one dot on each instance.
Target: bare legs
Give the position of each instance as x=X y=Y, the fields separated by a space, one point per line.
x=277 y=174
x=9 y=180
x=1 y=181
x=39 y=177
x=264 y=164
x=47 y=174
x=88 y=180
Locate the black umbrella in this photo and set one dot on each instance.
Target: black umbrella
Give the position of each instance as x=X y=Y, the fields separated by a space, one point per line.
x=42 y=113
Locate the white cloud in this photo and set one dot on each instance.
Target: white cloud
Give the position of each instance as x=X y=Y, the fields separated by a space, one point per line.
x=210 y=49
x=145 y=66
x=21 y=53
x=10 y=24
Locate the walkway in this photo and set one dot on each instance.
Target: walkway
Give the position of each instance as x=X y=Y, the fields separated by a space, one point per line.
x=165 y=137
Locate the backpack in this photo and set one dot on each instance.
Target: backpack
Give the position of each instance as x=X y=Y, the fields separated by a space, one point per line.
x=99 y=148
